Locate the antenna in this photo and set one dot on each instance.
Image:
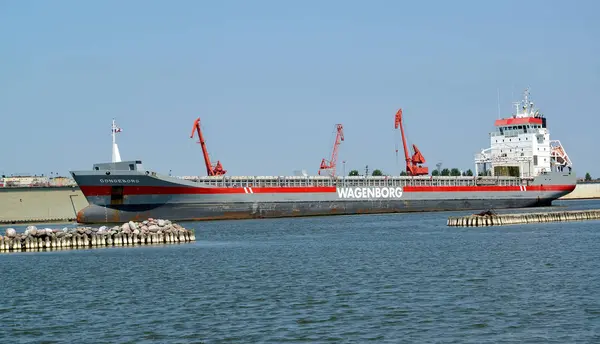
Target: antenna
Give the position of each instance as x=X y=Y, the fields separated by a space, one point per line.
x=498 y=102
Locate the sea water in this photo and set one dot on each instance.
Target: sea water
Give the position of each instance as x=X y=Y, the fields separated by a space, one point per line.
x=394 y=278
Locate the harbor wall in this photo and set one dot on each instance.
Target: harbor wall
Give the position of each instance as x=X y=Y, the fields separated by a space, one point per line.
x=584 y=191
x=33 y=204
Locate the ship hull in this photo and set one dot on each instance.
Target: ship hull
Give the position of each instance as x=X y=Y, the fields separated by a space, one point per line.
x=230 y=211
x=142 y=195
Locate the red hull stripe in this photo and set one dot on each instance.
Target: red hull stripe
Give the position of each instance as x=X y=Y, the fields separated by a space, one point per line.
x=182 y=190
x=488 y=188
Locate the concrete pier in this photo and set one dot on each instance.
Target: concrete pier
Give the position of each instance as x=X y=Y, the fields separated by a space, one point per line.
x=130 y=233
x=512 y=219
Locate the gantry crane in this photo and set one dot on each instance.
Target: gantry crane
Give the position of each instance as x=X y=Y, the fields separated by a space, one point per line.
x=413 y=167
x=217 y=169
x=331 y=164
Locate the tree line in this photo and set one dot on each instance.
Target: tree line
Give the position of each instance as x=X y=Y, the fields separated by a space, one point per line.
x=374 y=173
x=454 y=172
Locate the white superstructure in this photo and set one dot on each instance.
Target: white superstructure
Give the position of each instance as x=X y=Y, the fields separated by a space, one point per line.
x=521 y=145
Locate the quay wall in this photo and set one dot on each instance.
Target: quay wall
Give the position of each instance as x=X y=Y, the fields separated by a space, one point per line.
x=584 y=191
x=40 y=204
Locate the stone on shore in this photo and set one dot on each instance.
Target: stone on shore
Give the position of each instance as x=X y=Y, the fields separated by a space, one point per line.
x=151 y=231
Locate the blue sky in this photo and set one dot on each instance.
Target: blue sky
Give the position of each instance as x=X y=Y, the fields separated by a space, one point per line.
x=270 y=79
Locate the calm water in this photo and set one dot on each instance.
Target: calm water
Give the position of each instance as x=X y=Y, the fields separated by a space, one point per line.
x=381 y=278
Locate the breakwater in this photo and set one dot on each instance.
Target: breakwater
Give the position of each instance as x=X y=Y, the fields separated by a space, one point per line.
x=478 y=220
x=130 y=233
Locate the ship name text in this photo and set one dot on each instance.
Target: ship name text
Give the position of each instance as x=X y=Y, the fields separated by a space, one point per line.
x=119 y=181
x=366 y=193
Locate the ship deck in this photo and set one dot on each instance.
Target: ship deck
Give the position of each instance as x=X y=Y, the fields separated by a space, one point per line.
x=355 y=181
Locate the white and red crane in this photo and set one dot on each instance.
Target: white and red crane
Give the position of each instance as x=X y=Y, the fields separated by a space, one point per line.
x=413 y=164
x=211 y=170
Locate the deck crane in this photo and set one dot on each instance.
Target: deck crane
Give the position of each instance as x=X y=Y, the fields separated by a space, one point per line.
x=330 y=165
x=217 y=169
x=413 y=167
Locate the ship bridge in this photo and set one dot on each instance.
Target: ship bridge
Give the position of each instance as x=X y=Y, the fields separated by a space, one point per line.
x=133 y=165
x=514 y=123
x=520 y=146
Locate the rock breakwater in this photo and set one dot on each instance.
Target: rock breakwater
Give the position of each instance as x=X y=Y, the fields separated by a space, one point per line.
x=148 y=232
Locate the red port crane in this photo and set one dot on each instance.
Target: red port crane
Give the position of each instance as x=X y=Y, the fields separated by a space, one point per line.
x=413 y=167
x=217 y=169
x=330 y=165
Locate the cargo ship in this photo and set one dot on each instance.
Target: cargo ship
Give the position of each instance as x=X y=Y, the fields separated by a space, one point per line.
x=521 y=168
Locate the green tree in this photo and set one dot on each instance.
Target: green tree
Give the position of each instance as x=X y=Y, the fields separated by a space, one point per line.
x=403 y=173
x=353 y=173
x=435 y=173
x=588 y=177
x=455 y=172
x=377 y=173
x=469 y=173
x=445 y=172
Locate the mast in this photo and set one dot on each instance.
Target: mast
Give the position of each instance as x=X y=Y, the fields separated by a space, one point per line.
x=116 y=156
